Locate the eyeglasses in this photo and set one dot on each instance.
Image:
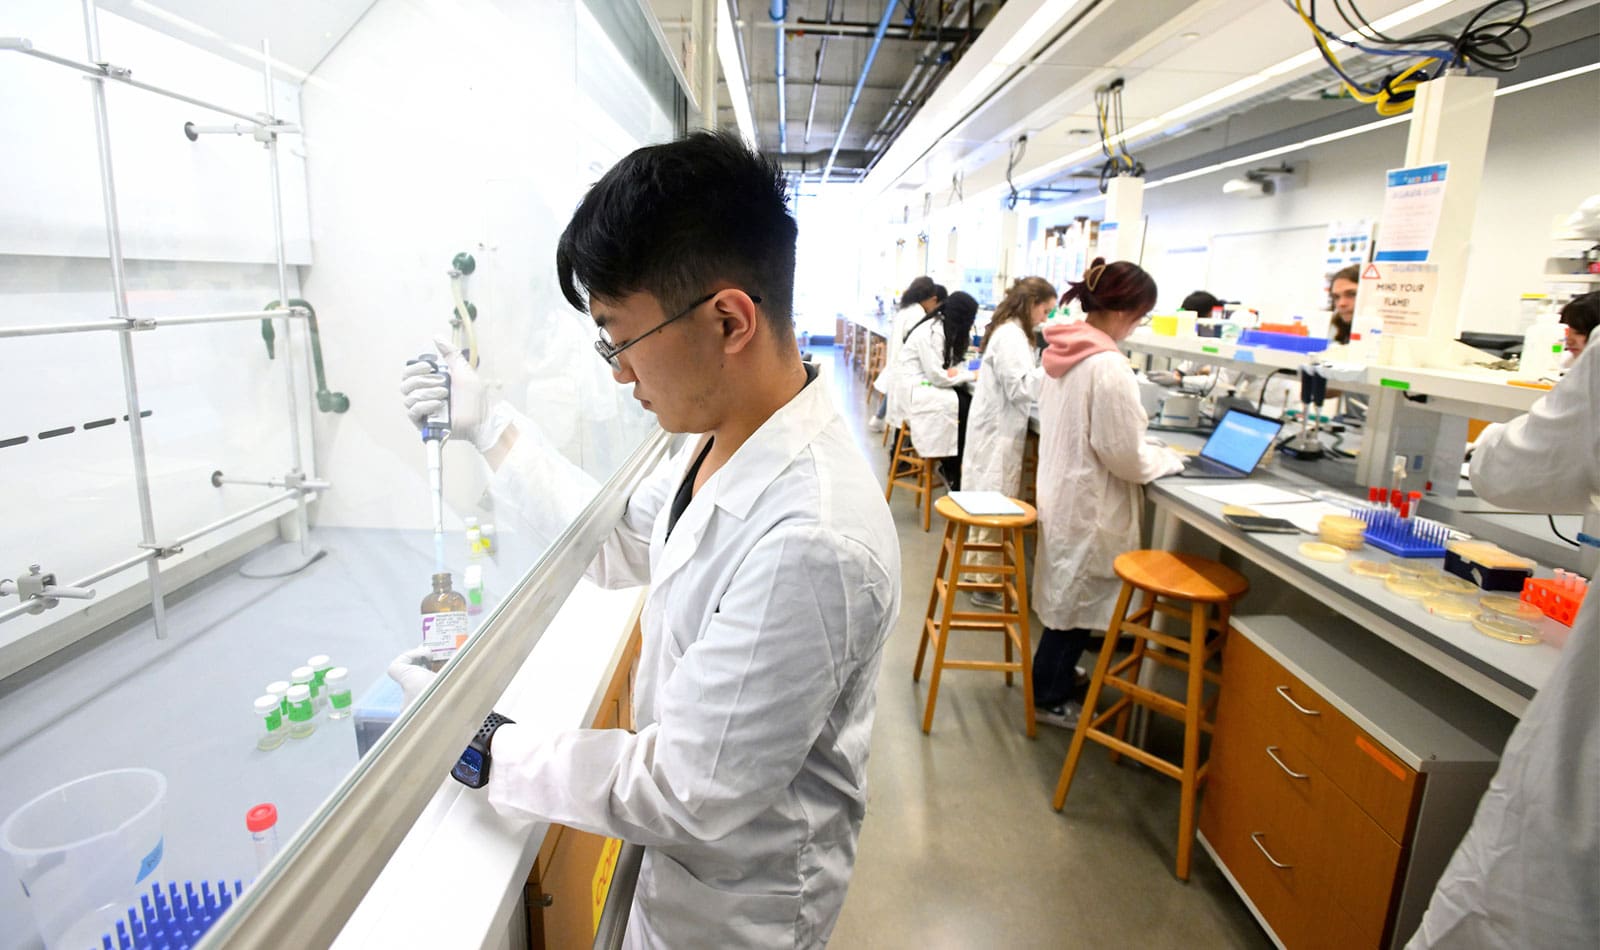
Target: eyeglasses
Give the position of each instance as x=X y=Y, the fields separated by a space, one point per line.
x=609 y=351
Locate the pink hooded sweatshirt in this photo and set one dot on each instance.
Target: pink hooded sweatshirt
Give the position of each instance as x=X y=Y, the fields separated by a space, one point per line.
x=1070 y=344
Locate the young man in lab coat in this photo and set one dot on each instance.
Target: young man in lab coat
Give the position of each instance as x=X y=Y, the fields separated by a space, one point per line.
x=772 y=561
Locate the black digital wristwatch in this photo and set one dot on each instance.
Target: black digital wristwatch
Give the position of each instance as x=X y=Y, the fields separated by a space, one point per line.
x=472 y=769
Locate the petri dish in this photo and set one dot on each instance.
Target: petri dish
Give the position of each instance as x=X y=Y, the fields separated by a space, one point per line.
x=1320 y=551
x=1509 y=629
x=1508 y=606
x=1451 y=584
x=1365 y=568
x=1411 y=569
x=1411 y=588
x=1451 y=607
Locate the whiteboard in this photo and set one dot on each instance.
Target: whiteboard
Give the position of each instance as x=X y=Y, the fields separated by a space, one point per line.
x=1278 y=272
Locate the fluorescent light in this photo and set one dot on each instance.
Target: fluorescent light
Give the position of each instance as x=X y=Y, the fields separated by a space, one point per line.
x=1045 y=18
x=733 y=75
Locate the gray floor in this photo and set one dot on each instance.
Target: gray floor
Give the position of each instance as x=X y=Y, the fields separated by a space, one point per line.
x=961 y=847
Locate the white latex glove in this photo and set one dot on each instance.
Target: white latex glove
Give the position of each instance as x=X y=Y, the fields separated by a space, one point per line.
x=422 y=393
x=410 y=670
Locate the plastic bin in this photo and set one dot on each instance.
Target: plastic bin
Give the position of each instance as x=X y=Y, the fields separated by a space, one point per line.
x=82 y=849
x=1283 y=341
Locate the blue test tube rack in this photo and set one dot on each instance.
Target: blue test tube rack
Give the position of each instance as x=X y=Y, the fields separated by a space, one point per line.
x=172 y=920
x=1402 y=537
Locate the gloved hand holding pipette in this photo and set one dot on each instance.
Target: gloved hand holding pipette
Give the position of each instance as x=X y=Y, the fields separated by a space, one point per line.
x=424 y=392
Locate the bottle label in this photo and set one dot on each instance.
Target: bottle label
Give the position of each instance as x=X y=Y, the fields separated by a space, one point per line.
x=301 y=711
x=443 y=633
x=274 y=720
x=339 y=700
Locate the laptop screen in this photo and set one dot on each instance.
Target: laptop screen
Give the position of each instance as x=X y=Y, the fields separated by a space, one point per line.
x=1240 y=440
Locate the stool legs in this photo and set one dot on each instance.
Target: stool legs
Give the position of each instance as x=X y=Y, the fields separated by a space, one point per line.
x=1011 y=622
x=1096 y=684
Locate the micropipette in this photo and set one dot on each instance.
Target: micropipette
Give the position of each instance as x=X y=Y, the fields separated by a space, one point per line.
x=435 y=430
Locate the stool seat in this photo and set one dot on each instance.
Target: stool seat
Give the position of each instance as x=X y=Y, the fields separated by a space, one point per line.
x=947 y=506
x=1182 y=576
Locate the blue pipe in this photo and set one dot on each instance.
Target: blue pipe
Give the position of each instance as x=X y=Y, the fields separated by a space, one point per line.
x=861 y=82
x=779 y=12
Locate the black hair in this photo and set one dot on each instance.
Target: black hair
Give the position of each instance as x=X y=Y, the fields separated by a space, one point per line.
x=918 y=291
x=671 y=220
x=1201 y=302
x=1582 y=313
x=957 y=313
x=940 y=295
x=1123 y=285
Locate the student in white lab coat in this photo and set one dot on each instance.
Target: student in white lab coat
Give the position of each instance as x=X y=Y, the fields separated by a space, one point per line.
x=1003 y=396
x=930 y=370
x=921 y=296
x=772 y=561
x=1093 y=458
x=1528 y=872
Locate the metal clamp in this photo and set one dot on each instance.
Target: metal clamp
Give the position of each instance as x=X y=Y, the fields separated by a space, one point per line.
x=1256 y=837
x=1284 y=692
x=161 y=550
x=39 y=590
x=115 y=71
x=1272 y=753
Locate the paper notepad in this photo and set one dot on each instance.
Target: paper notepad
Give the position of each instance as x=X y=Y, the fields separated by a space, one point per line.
x=1249 y=494
x=985 y=503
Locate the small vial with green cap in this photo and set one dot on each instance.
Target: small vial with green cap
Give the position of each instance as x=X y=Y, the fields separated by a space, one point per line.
x=300 y=712
x=337 y=687
x=320 y=665
x=270 y=711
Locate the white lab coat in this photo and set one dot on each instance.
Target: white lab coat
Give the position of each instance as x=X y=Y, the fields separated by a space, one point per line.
x=762 y=633
x=927 y=392
x=997 y=424
x=1093 y=458
x=1528 y=872
x=902 y=320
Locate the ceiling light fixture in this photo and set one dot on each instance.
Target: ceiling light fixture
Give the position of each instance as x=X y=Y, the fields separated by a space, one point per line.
x=733 y=74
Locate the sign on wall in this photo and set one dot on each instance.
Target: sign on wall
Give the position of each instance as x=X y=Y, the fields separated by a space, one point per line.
x=1397 y=296
x=1412 y=203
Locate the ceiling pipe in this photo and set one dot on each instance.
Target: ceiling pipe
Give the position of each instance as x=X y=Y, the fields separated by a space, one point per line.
x=779 y=11
x=866 y=67
x=816 y=77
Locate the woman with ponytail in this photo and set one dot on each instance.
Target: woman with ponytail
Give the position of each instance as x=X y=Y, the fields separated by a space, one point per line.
x=920 y=297
x=1093 y=460
x=1007 y=386
x=929 y=368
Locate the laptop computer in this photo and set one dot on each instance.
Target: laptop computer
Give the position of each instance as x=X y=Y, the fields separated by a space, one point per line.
x=1235 y=448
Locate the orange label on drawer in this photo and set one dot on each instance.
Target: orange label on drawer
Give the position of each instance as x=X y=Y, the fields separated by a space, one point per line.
x=1390 y=765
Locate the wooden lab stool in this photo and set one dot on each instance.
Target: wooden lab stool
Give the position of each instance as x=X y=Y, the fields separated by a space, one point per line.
x=912 y=472
x=1161 y=576
x=1011 y=621
x=876 y=351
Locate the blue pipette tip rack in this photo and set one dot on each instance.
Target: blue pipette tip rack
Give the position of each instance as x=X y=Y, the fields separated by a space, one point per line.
x=172 y=919
x=1402 y=537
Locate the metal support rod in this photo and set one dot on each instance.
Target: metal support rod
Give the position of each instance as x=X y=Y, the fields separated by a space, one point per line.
x=149 y=323
x=301 y=521
x=99 y=70
x=866 y=67
x=119 y=293
x=236 y=516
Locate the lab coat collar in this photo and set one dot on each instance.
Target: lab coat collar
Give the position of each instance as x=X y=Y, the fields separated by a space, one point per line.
x=757 y=463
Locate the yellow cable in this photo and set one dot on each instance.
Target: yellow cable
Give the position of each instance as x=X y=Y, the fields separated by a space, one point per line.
x=1383 y=100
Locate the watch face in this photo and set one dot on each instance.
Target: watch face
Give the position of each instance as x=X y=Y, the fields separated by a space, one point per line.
x=469 y=769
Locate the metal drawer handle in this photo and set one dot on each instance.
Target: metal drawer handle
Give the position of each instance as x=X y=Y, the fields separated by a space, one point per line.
x=1255 y=836
x=1272 y=752
x=1284 y=692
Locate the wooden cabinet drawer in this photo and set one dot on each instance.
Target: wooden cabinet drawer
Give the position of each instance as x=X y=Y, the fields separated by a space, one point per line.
x=1381 y=785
